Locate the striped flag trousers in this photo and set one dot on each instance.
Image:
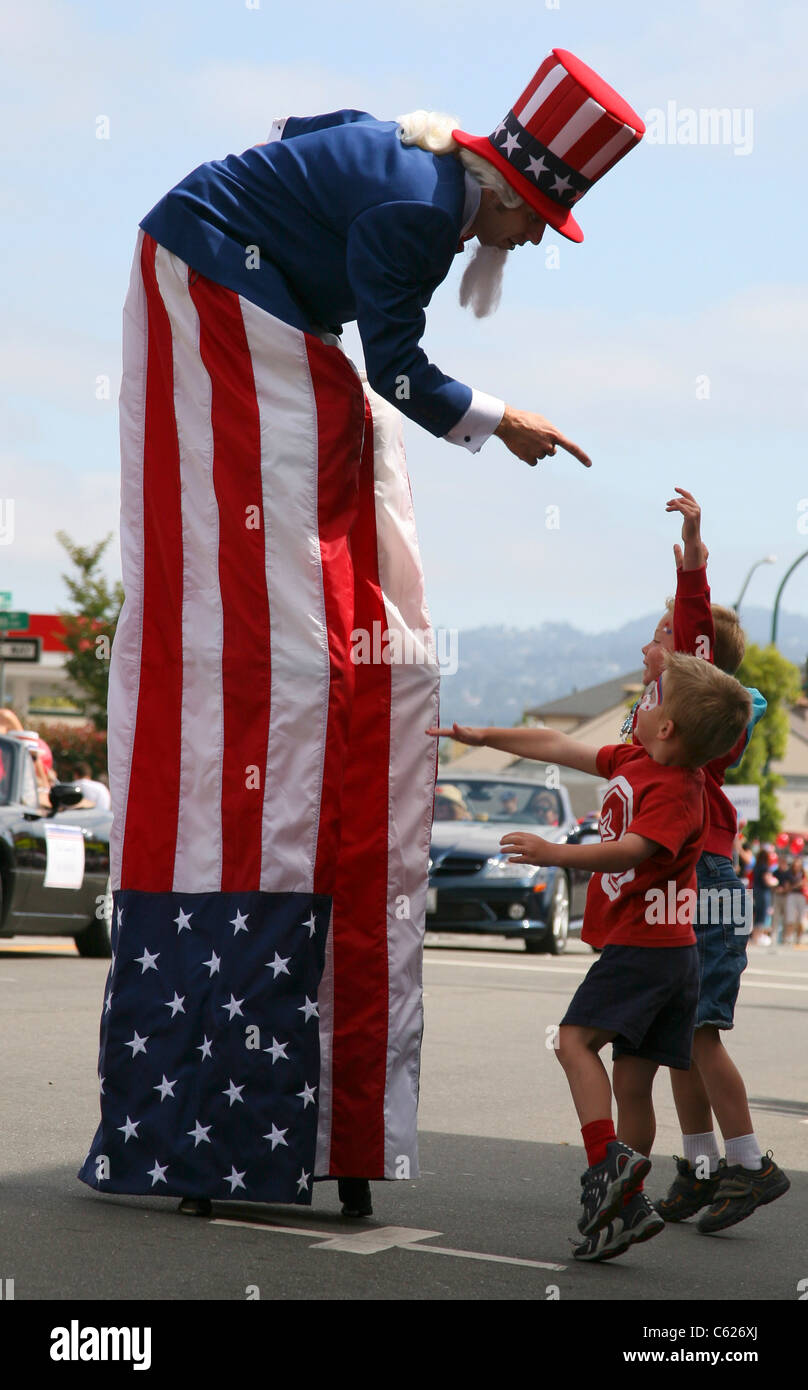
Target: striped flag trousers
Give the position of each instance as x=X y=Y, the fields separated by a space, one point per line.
x=271 y=783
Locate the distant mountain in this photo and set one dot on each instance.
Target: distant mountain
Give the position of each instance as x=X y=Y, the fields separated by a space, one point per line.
x=503 y=671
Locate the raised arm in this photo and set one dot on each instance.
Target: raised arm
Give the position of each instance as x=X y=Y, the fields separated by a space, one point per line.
x=545 y=745
x=693 y=624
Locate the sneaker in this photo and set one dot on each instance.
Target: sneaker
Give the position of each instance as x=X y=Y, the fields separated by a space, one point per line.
x=688 y=1194
x=636 y=1223
x=741 y=1191
x=606 y=1184
x=599 y=1246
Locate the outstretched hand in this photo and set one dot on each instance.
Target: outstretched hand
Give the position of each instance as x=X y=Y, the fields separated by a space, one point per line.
x=476 y=737
x=531 y=437
x=528 y=849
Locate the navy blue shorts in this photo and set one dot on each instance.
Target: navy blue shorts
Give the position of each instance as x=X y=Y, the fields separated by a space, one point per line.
x=722 y=925
x=647 y=996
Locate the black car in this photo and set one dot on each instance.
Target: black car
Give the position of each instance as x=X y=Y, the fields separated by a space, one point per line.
x=35 y=851
x=472 y=886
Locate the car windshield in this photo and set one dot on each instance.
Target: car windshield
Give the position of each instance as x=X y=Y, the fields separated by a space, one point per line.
x=466 y=799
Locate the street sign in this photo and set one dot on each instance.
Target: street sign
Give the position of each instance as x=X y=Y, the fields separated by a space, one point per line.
x=20 y=648
x=6 y=599
x=745 y=799
x=13 y=621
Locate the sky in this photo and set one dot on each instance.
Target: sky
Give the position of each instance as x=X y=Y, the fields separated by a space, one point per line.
x=670 y=344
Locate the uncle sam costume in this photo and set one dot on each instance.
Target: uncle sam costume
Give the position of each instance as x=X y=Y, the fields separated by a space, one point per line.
x=272 y=794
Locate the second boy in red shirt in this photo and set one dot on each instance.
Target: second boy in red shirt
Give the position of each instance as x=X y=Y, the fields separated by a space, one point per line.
x=641 y=994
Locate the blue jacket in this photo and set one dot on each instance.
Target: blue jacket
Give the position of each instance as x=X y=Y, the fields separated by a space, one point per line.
x=349 y=225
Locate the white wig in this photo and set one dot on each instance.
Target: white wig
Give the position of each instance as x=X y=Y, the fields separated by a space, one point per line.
x=432 y=131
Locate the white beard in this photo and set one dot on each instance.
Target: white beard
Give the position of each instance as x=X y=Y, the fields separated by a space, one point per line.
x=481 y=286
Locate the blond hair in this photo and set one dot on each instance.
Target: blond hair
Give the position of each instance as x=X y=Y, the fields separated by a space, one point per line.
x=432 y=131
x=730 y=639
x=709 y=708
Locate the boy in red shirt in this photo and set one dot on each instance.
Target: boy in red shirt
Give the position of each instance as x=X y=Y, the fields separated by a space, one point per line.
x=641 y=993
x=734 y=1188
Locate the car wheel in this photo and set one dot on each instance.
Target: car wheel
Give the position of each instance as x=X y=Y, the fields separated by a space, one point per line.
x=96 y=939
x=559 y=917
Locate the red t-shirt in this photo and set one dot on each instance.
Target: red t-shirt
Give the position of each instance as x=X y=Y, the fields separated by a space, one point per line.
x=653 y=904
x=694 y=634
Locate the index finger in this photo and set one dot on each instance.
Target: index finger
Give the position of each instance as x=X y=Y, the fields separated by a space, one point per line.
x=572 y=449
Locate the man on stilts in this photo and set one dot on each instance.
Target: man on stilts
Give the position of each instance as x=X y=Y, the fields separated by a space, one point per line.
x=272 y=786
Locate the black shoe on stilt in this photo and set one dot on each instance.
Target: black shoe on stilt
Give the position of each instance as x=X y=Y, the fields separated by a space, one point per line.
x=354 y=1193
x=195 y=1206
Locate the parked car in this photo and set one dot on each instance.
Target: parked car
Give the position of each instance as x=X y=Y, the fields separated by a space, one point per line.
x=34 y=852
x=472 y=886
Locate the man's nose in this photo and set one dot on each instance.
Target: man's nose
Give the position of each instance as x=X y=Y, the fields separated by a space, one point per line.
x=537 y=232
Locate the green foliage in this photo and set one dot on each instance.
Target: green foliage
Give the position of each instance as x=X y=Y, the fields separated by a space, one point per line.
x=779 y=680
x=90 y=626
x=72 y=744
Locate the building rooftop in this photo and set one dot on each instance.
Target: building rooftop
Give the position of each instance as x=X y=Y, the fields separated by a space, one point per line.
x=594 y=700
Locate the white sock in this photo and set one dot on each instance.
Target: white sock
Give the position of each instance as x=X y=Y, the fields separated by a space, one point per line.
x=697 y=1147
x=744 y=1150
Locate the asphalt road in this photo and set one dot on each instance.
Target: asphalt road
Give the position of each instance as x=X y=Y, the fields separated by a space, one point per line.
x=492 y=1215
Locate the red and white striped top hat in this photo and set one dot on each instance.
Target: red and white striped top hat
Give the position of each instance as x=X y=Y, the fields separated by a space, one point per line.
x=563 y=134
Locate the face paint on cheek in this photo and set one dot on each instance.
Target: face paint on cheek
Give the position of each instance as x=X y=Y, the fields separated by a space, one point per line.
x=653 y=695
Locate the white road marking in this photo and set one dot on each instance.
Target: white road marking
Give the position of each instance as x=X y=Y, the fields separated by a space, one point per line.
x=493 y=1259
x=371 y=1242
x=382 y=1238
x=429 y=959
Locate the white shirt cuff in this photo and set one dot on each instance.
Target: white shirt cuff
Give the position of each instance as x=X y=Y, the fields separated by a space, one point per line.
x=276 y=133
x=478 y=423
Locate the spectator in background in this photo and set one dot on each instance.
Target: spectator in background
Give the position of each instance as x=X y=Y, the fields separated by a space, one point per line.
x=763 y=885
x=795 y=904
x=782 y=872
x=450 y=804
x=743 y=857
x=93 y=791
x=543 y=807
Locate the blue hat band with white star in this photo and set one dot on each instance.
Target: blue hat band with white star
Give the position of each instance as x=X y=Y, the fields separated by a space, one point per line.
x=536 y=163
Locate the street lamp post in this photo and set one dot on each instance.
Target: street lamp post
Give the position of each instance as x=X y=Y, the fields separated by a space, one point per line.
x=767 y=560
x=778 y=595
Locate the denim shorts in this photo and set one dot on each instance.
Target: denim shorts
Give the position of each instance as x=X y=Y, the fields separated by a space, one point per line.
x=722 y=923
x=646 y=996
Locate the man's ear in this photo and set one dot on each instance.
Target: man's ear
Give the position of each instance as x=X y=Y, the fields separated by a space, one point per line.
x=667 y=729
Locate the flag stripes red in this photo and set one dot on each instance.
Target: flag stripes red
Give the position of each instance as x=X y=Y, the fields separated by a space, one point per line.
x=150 y=844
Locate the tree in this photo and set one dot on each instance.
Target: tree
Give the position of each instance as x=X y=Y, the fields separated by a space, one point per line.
x=90 y=626
x=779 y=680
